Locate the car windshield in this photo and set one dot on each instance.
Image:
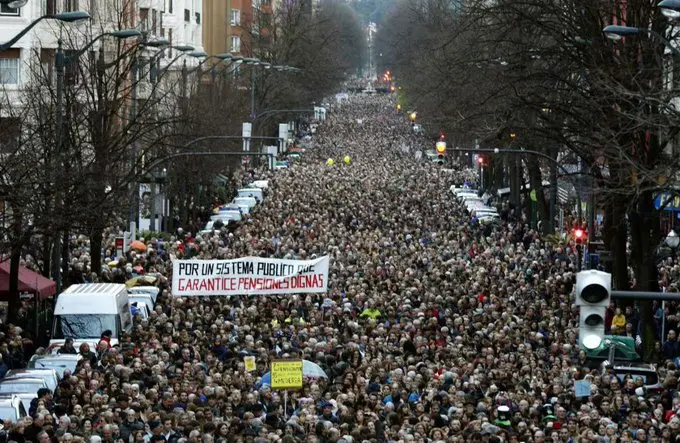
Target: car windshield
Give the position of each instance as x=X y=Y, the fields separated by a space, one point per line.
x=48 y=378
x=20 y=386
x=82 y=326
x=7 y=413
x=52 y=364
x=647 y=377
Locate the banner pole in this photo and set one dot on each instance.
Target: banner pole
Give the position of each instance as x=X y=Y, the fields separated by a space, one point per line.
x=285 y=403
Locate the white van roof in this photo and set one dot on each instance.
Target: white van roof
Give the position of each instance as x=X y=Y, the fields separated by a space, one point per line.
x=79 y=299
x=262 y=184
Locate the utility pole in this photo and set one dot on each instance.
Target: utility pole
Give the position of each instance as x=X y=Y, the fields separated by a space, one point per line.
x=134 y=154
x=59 y=67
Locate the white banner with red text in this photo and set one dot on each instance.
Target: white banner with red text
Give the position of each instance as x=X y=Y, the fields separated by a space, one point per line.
x=249 y=276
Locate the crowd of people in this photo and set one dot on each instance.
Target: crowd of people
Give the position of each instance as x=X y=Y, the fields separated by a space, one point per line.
x=438 y=329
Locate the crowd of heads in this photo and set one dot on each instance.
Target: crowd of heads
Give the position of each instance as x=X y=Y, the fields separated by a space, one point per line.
x=435 y=327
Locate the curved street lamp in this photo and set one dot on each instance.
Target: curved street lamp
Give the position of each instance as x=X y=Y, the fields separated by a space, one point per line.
x=670 y=8
x=66 y=17
x=617 y=32
x=14 y=4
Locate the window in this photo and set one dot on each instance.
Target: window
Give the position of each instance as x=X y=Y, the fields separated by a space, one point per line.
x=187 y=15
x=235 y=43
x=154 y=22
x=10 y=72
x=169 y=6
x=235 y=17
x=83 y=326
x=70 y=6
x=47 y=64
x=6 y=10
x=198 y=18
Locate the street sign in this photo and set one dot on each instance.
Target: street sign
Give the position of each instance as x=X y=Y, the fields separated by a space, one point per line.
x=120 y=244
x=286 y=374
x=247 y=129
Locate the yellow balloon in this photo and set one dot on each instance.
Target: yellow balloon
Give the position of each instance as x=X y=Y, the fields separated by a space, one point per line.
x=347 y=160
x=330 y=162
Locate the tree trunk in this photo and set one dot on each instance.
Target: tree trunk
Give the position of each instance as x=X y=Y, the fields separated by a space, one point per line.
x=645 y=238
x=515 y=184
x=96 y=241
x=536 y=181
x=47 y=255
x=616 y=237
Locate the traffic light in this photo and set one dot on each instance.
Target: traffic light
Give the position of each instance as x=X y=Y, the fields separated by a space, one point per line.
x=480 y=160
x=593 y=294
x=440 y=148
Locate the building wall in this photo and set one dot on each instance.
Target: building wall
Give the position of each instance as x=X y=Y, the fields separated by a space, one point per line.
x=226 y=26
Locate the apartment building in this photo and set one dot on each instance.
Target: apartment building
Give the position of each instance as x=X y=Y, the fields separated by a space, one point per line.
x=228 y=25
x=179 y=21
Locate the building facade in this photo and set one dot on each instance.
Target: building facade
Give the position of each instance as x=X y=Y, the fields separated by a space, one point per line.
x=227 y=26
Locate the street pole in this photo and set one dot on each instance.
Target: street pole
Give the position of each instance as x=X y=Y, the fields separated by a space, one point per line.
x=152 y=220
x=134 y=205
x=553 y=198
x=59 y=67
x=252 y=92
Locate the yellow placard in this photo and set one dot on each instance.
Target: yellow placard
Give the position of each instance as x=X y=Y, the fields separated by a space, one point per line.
x=249 y=361
x=286 y=374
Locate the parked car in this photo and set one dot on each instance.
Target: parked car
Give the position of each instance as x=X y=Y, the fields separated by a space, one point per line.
x=152 y=291
x=22 y=385
x=139 y=309
x=637 y=371
x=142 y=299
x=59 y=362
x=51 y=376
x=12 y=408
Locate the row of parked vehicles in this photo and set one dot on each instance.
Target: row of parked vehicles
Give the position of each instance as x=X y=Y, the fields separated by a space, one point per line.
x=82 y=313
x=232 y=213
x=476 y=203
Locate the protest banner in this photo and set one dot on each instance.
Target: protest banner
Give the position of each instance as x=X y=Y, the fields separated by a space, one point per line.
x=286 y=374
x=249 y=276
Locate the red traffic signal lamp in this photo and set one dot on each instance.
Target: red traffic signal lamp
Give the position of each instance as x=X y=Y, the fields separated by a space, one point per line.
x=480 y=161
x=580 y=235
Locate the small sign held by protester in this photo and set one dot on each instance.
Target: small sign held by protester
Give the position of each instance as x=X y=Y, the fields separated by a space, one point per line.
x=249 y=362
x=582 y=388
x=286 y=374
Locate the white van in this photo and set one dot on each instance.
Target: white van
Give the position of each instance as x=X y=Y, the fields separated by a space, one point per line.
x=84 y=311
x=256 y=193
x=245 y=201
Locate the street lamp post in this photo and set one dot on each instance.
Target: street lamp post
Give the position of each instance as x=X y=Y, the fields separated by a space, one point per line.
x=253 y=76
x=617 y=32
x=67 y=17
x=61 y=62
